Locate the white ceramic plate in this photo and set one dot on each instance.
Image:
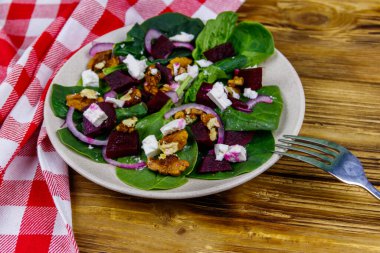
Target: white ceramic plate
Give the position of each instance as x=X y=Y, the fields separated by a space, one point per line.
x=277 y=71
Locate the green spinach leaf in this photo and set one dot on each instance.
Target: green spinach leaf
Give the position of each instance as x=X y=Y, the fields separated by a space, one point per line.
x=216 y=31
x=138 y=110
x=259 y=150
x=70 y=141
x=263 y=117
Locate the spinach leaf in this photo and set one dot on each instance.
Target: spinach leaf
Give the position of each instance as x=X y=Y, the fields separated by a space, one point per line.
x=252 y=40
x=152 y=123
x=138 y=110
x=217 y=31
x=109 y=70
x=70 y=141
x=259 y=150
x=189 y=152
x=263 y=117
x=169 y=24
x=230 y=64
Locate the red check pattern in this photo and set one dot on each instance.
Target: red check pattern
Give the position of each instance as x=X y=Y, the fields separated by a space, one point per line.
x=36 y=36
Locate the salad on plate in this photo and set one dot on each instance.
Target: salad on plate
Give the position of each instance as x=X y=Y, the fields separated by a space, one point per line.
x=176 y=99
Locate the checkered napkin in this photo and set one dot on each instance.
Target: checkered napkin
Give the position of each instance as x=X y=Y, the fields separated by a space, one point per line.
x=36 y=36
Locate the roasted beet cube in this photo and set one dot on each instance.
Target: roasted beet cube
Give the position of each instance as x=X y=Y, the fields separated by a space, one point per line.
x=90 y=130
x=238 y=137
x=166 y=74
x=162 y=47
x=209 y=164
x=120 y=81
x=157 y=102
x=220 y=52
x=239 y=105
x=122 y=144
x=146 y=96
x=201 y=134
x=252 y=77
x=202 y=97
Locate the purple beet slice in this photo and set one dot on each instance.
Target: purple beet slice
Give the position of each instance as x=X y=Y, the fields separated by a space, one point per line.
x=202 y=97
x=238 y=137
x=90 y=130
x=120 y=81
x=220 y=52
x=239 y=105
x=157 y=102
x=162 y=47
x=122 y=144
x=166 y=74
x=209 y=164
x=252 y=77
x=201 y=134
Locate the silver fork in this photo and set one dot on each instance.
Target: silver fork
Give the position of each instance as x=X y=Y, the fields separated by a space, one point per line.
x=334 y=159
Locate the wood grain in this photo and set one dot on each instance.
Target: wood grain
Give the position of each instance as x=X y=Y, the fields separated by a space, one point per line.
x=335 y=47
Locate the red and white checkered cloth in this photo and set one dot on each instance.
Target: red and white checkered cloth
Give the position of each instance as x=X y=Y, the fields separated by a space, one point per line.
x=36 y=36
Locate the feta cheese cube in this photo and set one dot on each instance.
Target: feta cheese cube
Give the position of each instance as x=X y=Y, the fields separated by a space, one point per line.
x=220 y=151
x=116 y=102
x=218 y=95
x=88 y=93
x=204 y=63
x=193 y=70
x=181 y=77
x=136 y=68
x=182 y=37
x=95 y=115
x=90 y=78
x=153 y=72
x=249 y=93
x=173 y=126
x=235 y=154
x=150 y=146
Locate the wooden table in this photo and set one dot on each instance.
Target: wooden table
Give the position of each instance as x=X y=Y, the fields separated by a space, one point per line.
x=335 y=47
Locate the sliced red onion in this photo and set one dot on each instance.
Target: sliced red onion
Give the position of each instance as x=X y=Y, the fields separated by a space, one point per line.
x=203 y=108
x=260 y=99
x=174 y=85
x=100 y=47
x=151 y=35
x=173 y=96
x=79 y=135
x=110 y=94
x=131 y=166
x=183 y=44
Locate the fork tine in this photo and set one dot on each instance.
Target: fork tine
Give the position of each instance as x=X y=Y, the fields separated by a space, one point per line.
x=326 y=143
x=328 y=159
x=304 y=144
x=306 y=159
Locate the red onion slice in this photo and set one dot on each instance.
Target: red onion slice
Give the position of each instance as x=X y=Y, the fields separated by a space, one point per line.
x=110 y=94
x=173 y=96
x=184 y=44
x=79 y=135
x=260 y=99
x=100 y=47
x=131 y=166
x=151 y=35
x=174 y=85
x=203 y=108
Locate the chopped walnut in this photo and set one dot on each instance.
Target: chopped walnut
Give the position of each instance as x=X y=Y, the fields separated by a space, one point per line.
x=190 y=119
x=213 y=134
x=211 y=122
x=181 y=70
x=232 y=91
x=169 y=148
x=80 y=102
x=88 y=93
x=179 y=137
x=127 y=125
x=132 y=97
x=102 y=60
x=183 y=62
x=206 y=117
x=165 y=88
x=179 y=115
x=236 y=81
x=171 y=165
x=152 y=81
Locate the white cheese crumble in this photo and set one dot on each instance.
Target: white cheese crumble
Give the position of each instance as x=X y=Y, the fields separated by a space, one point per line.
x=181 y=77
x=116 y=102
x=88 y=93
x=173 y=126
x=193 y=70
x=136 y=68
x=249 y=93
x=150 y=146
x=235 y=154
x=154 y=71
x=218 y=95
x=220 y=151
x=204 y=63
x=175 y=68
x=182 y=37
x=95 y=115
x=90 y=78
x=90 y=147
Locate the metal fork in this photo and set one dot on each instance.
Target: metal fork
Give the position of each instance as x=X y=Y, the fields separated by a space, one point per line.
x=333 y=158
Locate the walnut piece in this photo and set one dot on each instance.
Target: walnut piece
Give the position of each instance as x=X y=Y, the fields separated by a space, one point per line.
x=80 y=102
x=152 y=81
x=236 y=81
x=132 y=97
x=179 y=137
x=171 y=165
x=127 y=125
x=165 y=88
x=102 y=60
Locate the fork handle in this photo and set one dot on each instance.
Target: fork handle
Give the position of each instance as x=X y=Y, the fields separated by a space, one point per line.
x=369 y=187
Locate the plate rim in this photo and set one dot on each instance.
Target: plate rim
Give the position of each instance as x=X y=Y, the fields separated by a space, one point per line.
x=162 y=194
